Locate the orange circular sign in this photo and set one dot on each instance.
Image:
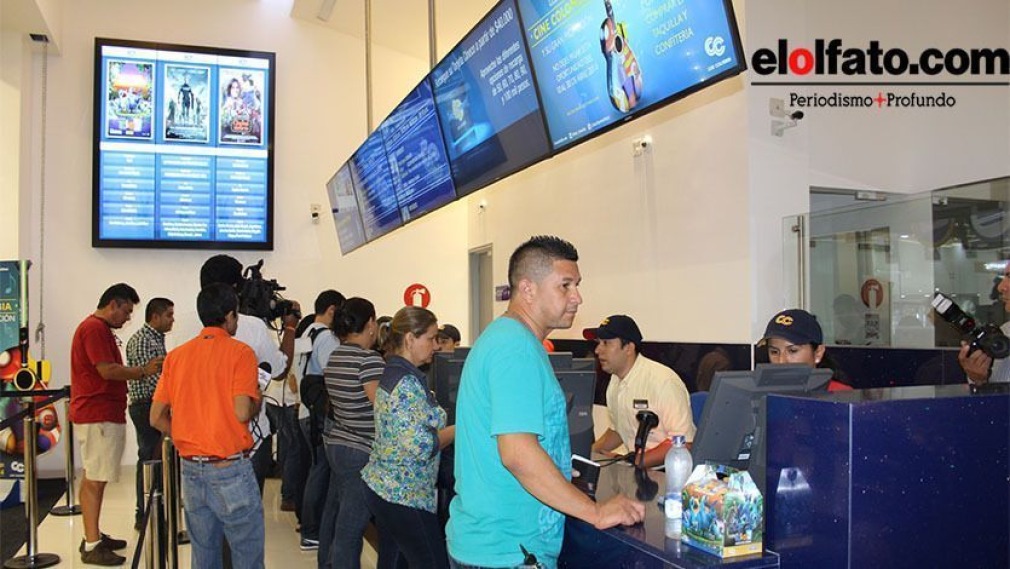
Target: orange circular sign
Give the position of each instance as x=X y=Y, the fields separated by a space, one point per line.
x=872 y=293
x=417 y=295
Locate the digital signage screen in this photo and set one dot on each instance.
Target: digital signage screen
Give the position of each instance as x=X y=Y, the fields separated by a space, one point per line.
x=599 y=63
x=487 y=103
x=344 y=207
x=417 y=160
x=374 y=187
x=183 y=146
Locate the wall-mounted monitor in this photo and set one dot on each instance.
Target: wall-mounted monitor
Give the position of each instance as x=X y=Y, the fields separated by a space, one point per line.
x=344 y=207
x=599 y=63
x=417 y=160
x=183 y=146
x=487 y=102
x=374 y=187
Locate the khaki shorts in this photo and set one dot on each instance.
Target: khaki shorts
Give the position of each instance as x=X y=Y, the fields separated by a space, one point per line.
x=101 y=449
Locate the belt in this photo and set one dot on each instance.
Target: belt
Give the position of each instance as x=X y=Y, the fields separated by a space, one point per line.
x=213 y=459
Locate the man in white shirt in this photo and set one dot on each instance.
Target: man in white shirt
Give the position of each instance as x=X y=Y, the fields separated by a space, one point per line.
x=636 y=384
x=255 y=333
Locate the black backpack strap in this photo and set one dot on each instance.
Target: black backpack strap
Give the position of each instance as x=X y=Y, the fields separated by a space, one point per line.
x=313 y=334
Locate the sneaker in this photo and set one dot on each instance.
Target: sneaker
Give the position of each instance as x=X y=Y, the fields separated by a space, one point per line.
x=101 y=555
x=111 y=543
x=309 y=544
x=287 y=505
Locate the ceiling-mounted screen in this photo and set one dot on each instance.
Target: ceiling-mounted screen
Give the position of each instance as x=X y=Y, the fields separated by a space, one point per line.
x=417 y=160
x=182 y=147
x=374 y=187
x=488 y=104
x=344 y=207
x=599 y=63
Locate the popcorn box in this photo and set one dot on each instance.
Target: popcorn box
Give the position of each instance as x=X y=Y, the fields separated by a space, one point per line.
x=723 y=511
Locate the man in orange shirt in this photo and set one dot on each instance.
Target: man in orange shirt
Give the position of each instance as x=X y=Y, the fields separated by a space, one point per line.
x=207 y=394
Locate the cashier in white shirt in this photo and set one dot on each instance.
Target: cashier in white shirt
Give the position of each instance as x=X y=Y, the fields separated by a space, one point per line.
x=638 y=383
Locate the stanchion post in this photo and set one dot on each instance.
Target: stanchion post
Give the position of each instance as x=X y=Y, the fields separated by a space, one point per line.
x=154 y=557
x=179 y=519
x=71 y=508
x=171 y=494
x=33 y=560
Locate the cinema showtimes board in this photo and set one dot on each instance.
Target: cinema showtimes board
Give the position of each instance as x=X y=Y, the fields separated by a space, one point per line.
x=531 y=79
x=183 y=146
x=345 y=210
x=487 y=103
x=603 y=62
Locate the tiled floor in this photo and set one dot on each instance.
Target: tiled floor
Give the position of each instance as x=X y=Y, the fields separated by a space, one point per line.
x=62 y=536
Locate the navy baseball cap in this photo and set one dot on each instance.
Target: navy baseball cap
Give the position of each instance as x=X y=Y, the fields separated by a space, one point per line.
x=616 y=326
x=797 y=326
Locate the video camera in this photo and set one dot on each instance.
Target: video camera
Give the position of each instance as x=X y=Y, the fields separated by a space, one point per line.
x=261 y=297
x=987 y=337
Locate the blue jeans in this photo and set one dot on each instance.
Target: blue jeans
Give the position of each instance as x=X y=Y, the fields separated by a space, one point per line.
x=346 y=514
x=311 y=505
x=410 y=537
x=284 y=420
x=148 y=448
x=223 y=502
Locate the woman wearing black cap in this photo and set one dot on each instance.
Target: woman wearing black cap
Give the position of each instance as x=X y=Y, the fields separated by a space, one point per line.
x=794 y=337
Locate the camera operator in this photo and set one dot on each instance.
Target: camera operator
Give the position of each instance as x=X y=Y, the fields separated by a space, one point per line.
x=254 y=331
x=979 y=367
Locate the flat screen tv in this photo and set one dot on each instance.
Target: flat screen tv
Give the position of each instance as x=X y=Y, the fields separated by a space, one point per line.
x=487 y=103
x=374 y=188
x=600 y=63
x=733 y=422
x=183 y=146
x=417 y=160
x=344 y=207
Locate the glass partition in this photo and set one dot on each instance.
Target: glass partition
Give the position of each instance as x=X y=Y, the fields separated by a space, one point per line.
x=876 y=259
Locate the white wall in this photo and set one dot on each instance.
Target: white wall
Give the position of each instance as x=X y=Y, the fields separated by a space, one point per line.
x=12 y=57
x=896 y=150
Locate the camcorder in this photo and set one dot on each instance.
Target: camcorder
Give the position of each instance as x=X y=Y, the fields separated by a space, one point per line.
x=261 y=297
x=986 y=337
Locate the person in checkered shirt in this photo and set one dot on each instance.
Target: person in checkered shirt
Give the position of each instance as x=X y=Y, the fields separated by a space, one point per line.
x=145 y=345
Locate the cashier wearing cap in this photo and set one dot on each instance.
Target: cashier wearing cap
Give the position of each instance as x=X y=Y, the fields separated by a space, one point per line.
x=794 y=337
x=638 y=383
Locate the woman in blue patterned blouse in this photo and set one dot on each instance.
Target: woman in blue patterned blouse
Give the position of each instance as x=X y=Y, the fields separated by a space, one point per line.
x=410 y=431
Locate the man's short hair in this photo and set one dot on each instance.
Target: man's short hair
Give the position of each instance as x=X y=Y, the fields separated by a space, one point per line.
x=326 y=299
x=121 y=292
x=222 y=269
x=156 y=306
x=214 y=302
x=535 y=258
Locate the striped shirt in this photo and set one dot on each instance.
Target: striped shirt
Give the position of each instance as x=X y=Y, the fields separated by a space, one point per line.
x=145 y=345
x=347 y=370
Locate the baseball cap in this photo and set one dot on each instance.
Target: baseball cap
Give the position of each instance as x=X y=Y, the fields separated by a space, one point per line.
x=616 y=326
x=449 y=331
x=797 y=326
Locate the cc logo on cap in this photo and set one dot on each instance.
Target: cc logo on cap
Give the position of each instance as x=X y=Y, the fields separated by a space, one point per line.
x=784 y=320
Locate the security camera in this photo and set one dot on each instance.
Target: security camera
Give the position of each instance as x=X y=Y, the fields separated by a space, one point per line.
x=796 y=115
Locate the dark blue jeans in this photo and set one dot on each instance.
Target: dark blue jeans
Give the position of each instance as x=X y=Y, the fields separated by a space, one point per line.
x=414 y=536
x=148 y=448
x=289 y=448
x=345 y=515
x=316 y=485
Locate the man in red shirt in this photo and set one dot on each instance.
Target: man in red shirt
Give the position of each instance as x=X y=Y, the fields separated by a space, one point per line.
x=206 y=396
x=98 y=410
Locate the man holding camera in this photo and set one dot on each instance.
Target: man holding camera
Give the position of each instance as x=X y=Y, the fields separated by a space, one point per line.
x=637 y=384
x=254 y=332
x=979 y=367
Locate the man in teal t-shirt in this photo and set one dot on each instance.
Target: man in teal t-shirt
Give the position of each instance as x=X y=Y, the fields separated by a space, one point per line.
x=513 y=458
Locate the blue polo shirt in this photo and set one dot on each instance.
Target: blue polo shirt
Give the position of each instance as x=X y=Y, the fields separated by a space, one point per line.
x=508 y=386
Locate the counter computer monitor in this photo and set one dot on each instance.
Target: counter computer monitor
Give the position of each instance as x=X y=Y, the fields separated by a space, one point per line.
x=733 y=423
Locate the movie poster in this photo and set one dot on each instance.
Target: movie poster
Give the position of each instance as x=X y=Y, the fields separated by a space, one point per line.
x=241 y=106
x=129 y=99
x=186 y=103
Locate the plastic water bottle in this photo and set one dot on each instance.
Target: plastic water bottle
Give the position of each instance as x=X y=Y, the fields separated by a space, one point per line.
x=678 y=465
